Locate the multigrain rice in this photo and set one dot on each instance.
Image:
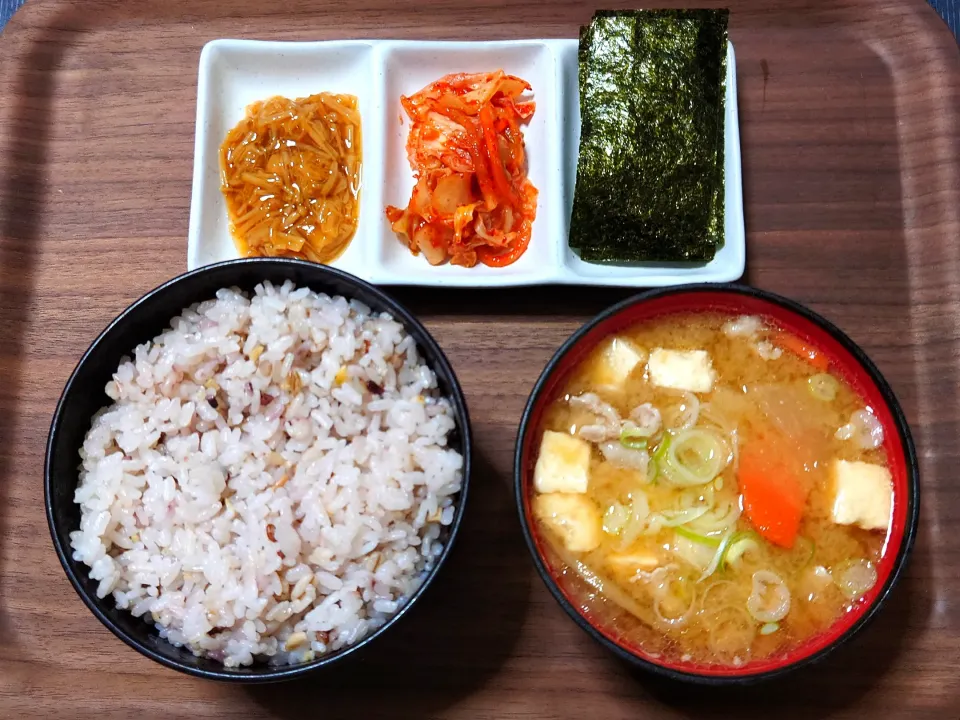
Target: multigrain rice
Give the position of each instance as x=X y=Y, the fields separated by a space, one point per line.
x=271 y=479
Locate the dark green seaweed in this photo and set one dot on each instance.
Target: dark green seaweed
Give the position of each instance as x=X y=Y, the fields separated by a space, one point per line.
x=650 y=173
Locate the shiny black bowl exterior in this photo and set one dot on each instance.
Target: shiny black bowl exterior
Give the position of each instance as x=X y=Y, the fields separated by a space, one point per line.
x=84 y=395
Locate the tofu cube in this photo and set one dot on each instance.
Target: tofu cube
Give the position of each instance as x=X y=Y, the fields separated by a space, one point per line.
x=563 y=464
x=690 y=370
x=617 y=361
x=631 y=562
x=574 y=518
x=863 y=494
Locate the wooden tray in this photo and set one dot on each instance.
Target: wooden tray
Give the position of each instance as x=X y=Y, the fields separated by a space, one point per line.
x=850 y=120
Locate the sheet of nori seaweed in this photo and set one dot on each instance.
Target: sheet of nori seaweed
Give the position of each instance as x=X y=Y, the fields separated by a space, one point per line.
x=650 y=173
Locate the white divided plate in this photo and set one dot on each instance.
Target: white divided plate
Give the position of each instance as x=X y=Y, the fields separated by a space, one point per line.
x=235 y=73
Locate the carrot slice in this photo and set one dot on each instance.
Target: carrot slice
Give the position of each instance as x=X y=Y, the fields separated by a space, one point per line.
x=507 y=257
x=803 y=351
x=490 y=138
x=773 y=496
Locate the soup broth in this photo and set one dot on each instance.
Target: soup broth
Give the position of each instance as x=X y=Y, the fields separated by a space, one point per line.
x=717 y=493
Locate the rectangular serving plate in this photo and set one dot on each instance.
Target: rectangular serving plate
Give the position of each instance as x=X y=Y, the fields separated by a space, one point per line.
x=235 y=73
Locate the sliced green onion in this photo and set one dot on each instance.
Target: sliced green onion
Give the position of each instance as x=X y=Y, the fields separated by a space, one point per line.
x=696 y=496
x=742 y=542
x=855 y=578
x=719 y=519
x=697 y=537
x=694 y=457
x=655 y=466
x=652 y=472
x=637 y=519
x=769 y=628
x=686 y=415
x=717 y=558
x=699 y=554
x=632 y=439
x=674 y=518
x=769 y=600
x=823 y=386
x=660 y=451
x=674 y=590
x=654 y=524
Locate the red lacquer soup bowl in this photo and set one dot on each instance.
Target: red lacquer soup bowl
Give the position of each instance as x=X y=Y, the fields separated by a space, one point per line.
x=846 y=359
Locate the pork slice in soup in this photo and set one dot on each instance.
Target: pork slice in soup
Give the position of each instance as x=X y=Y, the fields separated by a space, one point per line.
x=720 y=494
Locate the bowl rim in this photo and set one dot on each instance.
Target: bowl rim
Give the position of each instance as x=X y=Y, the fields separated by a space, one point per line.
x=912 y=496
x=264 y=673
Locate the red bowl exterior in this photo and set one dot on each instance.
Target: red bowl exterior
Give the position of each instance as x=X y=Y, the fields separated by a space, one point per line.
x=845 y=358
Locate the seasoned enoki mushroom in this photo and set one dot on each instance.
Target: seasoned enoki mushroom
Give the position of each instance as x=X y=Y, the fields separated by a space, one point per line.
x=607 y=423
x=864 y=429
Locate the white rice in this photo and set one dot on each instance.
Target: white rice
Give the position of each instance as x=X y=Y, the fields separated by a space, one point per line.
x=271 y=479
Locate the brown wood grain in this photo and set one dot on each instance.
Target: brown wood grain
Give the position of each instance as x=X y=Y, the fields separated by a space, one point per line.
x=850 y=123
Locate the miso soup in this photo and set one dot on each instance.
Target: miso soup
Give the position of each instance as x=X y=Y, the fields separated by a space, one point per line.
x=721 y=492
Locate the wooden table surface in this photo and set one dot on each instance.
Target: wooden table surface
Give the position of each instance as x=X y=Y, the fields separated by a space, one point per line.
x=850 y=123
x=949 y=10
